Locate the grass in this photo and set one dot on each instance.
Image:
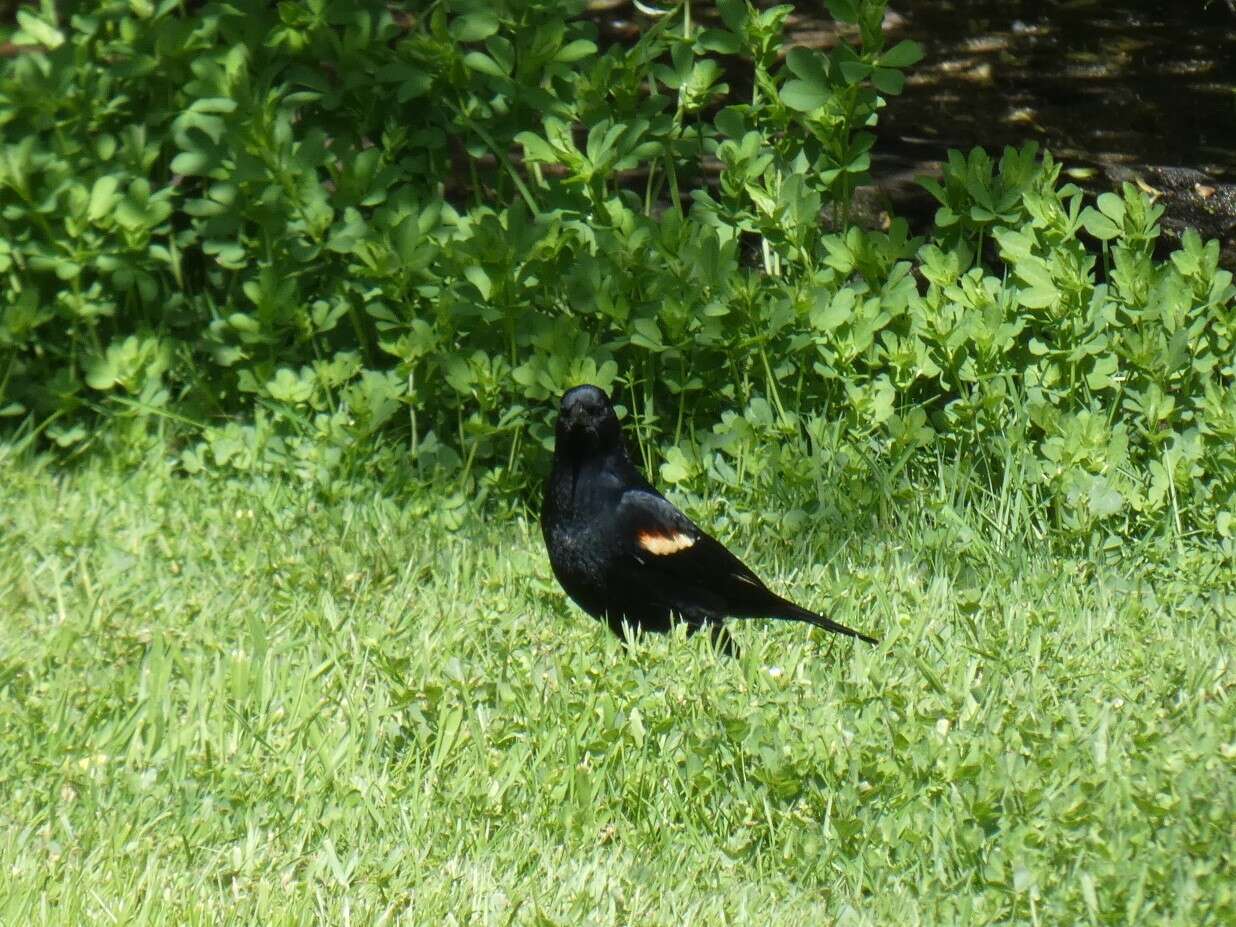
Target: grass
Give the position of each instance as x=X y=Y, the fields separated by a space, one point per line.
x=224 y=703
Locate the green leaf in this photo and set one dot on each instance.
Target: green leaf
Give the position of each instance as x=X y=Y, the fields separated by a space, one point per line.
x=575 y=51
x=1099 y=225
x=719 y=41
x=536 y=148
x=1103 y=500
x=888 y=81
x=734 y=14
x=1111 y=206
x=677 y=466
x=244 y=323
x=102 y=373
x=861 y=162
x=459 y=375
x=855 y=72
x=103 y=197
x=902 y=55
x=1036 y=297
x=46 y=35
x=287 y=386
x=1225 y=523
x=67 y=269
x=67 y=437
x=479 y=61
x=845 y=11
x=191 y=163
x=1033 y=272
x=804 y=96
x=473 y=27
x=647 y=335
x=213 y=105
x=476 y=275
x=1100 y=376
x=345 y=235
x=832 y=310
x=808 y=64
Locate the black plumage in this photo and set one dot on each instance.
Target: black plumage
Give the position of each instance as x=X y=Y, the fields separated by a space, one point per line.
x=623 y=553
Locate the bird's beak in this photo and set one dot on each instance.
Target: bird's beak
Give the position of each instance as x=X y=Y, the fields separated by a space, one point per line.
x=575 y=419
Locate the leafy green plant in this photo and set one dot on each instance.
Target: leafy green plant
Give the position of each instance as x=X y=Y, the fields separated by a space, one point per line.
x=351 y=239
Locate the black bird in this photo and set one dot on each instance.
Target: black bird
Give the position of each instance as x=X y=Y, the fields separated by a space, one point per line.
x=623 y=553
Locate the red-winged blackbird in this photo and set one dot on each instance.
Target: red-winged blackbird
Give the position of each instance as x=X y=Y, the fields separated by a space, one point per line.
x=624 y=553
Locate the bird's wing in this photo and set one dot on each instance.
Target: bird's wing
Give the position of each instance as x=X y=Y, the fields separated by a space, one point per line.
x=670 y=561
x=670 y=556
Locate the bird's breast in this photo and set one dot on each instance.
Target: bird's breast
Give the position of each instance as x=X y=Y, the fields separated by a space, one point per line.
x=580 y=560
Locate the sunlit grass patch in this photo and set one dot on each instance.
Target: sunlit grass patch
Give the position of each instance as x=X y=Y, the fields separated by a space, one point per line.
x=227 y=702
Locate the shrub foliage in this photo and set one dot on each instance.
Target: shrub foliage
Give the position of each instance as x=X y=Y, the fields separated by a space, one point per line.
x=305 y=231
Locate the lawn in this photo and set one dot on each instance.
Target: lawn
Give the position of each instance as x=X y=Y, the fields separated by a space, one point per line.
x=226 y=702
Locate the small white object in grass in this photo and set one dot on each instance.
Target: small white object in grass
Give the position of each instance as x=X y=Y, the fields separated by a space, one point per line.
x=776 y=672
x=942 y=726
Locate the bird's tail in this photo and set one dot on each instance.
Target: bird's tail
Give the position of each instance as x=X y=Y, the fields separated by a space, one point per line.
x=789 y=610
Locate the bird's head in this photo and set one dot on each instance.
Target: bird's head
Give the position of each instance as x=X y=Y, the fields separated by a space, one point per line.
x=586 y=422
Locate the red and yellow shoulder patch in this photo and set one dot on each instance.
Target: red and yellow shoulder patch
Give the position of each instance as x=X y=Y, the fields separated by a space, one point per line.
x=663 y=544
